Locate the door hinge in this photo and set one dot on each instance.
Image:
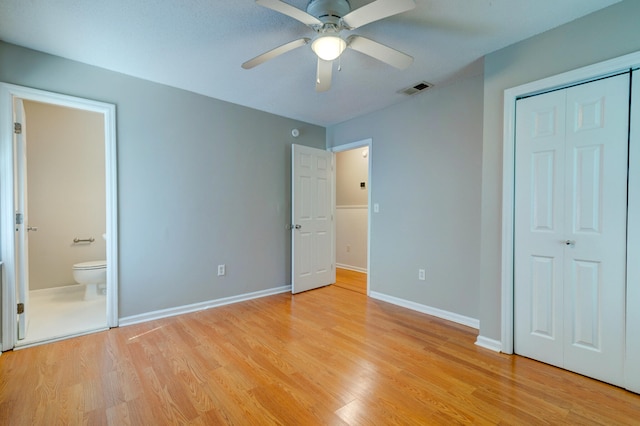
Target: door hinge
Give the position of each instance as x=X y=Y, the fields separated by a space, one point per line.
x=19 y=218
x=17 y=128
x=20 y=308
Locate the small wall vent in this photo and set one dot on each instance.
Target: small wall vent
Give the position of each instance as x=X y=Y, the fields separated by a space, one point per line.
x=416 y=88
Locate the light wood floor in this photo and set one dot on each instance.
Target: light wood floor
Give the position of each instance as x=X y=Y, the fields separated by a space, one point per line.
x=351 y=280
x=329 y=356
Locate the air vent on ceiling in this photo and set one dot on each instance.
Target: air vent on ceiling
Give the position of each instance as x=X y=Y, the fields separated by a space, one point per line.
x=416 y=88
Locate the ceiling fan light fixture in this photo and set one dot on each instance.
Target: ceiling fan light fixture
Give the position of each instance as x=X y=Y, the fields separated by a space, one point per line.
x=328 y=47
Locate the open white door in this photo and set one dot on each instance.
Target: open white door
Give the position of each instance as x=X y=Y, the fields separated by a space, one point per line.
x=22 y=228
x=312 y=255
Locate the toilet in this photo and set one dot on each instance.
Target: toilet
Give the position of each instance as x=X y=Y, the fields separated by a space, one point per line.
x=93 y=275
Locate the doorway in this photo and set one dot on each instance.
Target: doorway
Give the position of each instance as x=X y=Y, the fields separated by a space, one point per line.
x=59 y=212
x=352 y=186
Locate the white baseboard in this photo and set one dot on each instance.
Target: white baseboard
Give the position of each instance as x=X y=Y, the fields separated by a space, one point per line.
x=351 y=268
x=491 y=344
x=449 y=316
x=179 y=310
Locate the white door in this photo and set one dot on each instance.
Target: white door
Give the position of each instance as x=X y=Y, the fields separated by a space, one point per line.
x=570 y=227
x=22 y=219
x=312 y=264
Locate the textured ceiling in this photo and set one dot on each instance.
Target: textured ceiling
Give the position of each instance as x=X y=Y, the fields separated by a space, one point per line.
x=199 y=45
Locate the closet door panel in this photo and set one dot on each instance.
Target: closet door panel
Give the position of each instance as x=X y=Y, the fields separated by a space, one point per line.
x=595 y=225
x=539 y=224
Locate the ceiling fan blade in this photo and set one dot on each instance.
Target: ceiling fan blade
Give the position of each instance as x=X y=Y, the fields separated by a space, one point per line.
x=323 y=78
x=376 y=10
x=287 y=9
x=275 y=52
x=379 y=51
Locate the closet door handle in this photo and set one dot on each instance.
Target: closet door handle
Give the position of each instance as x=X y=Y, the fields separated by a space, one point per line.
x=569 y=242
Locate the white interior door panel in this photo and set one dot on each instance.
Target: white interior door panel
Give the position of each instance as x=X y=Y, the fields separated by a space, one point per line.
x=312 y=203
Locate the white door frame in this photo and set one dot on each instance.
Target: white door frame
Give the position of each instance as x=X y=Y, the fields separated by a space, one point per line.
x=368 y=143
x=632 y=362
x=7 y=93
x=581 y=75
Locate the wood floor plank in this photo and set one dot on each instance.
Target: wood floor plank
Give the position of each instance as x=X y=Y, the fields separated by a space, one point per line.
x=328 y=356
x=351 y=280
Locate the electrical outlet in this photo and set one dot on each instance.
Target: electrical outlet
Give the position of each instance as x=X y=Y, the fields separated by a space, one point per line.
x=376 y=207
x=421 y=274
x=348 y=248
x=221 y=270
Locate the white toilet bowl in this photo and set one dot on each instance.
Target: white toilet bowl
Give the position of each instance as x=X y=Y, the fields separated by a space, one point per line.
x=93 y=275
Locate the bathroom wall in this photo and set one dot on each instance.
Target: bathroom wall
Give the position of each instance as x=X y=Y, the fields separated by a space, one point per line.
x=352 y=168
x=66 y=191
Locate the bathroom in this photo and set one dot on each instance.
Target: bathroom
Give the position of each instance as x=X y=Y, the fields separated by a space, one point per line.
x=65 y=217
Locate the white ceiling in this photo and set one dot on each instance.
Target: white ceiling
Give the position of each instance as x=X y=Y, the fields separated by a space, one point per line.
x=199 y=45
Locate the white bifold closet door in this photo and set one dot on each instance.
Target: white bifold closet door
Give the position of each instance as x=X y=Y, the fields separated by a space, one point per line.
x=570 y=227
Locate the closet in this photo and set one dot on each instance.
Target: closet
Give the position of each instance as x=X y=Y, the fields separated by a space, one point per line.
x=572 y=199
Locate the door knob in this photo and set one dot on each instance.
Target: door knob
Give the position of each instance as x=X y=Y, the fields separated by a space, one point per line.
x=32 y=228
x=298 y=226
x=569 y=242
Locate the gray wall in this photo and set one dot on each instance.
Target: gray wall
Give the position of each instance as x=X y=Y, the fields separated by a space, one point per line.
x=201 y=182
x=204 y=182
x=612 y=32
x=434 y=213
x=425 y=176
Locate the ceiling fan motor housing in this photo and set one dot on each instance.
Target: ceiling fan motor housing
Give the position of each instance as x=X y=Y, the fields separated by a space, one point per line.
x=328 y=11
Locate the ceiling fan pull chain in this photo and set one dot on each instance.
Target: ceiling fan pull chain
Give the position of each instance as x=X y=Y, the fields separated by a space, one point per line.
x=339 y=63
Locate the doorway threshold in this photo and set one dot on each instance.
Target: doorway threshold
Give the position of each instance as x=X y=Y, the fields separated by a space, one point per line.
x=60 y=313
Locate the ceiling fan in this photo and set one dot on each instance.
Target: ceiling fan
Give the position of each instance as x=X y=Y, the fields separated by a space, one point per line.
x=328 y=18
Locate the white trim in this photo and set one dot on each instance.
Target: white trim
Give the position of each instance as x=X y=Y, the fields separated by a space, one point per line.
x=352 y=145
x=351 y=268
x=347 y=147
x=435 y=312
x=602 y=69
x=201 y=306
x=7 y=93
x=491 y=344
